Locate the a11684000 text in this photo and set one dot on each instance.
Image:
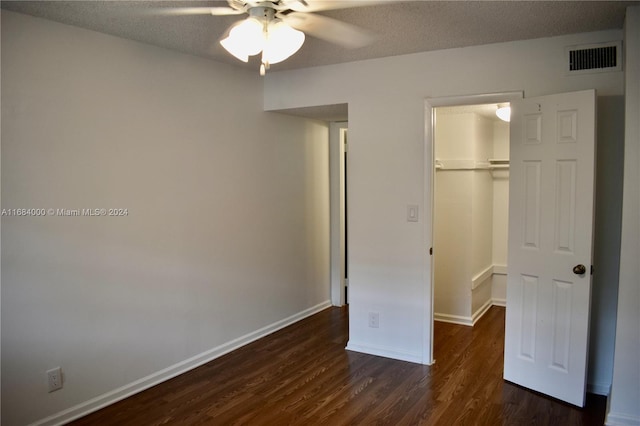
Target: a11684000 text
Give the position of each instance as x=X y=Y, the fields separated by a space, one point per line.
x=61 y=212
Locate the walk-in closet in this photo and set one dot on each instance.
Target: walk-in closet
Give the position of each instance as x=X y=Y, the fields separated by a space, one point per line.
x=470 y=212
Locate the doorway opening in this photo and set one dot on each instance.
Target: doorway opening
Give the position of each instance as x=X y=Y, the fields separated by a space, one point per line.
x=338 y=152
x=552 y=152
x=431 y=106
x=470 y=211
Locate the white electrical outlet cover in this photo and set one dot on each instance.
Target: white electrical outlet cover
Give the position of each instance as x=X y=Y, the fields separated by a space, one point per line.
x=54 y=379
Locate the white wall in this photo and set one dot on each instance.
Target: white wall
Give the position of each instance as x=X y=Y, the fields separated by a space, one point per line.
x=389 y=266
x=482 y=218
x=500 y=214
x=625 y=393
x=606 y=247
x=227 y=226
x=452 y=244
x=482 y=226
x=453 y=254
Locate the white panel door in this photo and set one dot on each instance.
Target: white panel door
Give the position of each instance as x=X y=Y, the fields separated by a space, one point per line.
x=551 y=194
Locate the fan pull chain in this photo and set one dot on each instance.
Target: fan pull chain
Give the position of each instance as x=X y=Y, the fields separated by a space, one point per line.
x=264 y=66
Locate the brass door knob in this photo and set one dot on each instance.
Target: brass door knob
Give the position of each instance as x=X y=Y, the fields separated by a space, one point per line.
x=579 y=269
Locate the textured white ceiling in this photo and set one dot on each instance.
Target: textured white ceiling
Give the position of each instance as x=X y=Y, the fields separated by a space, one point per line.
x=402 y=26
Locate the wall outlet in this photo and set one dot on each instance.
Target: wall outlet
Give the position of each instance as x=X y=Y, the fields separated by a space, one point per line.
x=374 y=320
x=54 y=378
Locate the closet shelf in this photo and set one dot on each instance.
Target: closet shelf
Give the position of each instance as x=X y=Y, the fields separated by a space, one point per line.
x=455 y=165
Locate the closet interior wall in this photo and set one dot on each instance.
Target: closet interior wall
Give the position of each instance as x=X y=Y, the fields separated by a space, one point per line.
x=471 y=215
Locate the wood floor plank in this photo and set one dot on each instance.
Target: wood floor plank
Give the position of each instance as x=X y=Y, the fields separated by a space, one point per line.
x=302 y=375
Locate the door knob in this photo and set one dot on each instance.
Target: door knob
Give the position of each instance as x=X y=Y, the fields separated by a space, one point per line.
x=579 y=269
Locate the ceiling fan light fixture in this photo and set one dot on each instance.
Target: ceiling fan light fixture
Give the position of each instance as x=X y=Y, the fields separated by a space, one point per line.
x=281 y=42
x=263 y=32
x=245 y=39
x=504 y=113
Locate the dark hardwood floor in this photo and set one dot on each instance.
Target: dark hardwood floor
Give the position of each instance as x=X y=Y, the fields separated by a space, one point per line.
x=302 y=375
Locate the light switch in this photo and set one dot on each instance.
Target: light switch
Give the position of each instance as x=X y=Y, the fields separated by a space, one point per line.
x=412 y=213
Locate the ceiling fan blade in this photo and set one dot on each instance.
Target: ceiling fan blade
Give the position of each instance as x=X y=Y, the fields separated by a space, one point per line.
x=329 y=29
x=220 y=11
x=185 y=11
x=319 y=5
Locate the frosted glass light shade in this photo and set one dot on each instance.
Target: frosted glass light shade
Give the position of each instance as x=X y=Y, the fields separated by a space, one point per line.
x=274 y=38
x=282 y=41
x=245 y=39
x=504 y=113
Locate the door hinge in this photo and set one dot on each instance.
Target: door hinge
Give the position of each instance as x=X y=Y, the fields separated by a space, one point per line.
x=431 y=251
x=591 y=269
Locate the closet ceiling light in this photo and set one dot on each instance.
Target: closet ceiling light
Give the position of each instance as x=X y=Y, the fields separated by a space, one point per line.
x=504 y=113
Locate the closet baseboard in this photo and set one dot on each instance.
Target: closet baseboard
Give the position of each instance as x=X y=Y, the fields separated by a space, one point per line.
x=453 y=319
x=469 y=321
x=480 y=312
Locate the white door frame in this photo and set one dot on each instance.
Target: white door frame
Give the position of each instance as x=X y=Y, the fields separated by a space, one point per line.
x=337 y=210
x=429 y=167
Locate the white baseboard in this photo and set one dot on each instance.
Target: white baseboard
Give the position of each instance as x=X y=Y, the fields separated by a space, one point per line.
x=453 y=319
x=476 y=281
x=125 y=391
x=481 y=311
x=385 y=352
x=469 y=321
x=499 y=302
x=621 y=419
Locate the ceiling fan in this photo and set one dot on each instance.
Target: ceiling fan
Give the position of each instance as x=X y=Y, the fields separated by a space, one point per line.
x=277 y=27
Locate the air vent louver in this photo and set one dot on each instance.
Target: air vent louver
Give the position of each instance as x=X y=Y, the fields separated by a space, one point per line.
x=594 y=58
x=588 y=59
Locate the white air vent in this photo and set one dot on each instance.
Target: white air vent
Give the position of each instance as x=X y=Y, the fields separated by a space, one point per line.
x=590 y=58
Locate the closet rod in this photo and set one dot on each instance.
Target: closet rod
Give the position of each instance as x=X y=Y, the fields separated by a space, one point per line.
x=478 y=165
x=441 y=169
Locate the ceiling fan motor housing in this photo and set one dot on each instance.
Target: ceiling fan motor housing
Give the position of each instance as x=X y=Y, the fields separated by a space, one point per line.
x=262 y=13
